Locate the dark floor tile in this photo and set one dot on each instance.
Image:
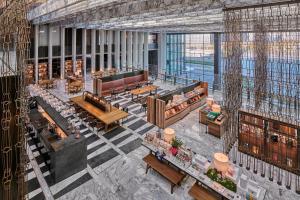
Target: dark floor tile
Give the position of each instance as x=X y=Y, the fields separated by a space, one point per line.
x=33 y=184
x=49 y=179
x=121 y=139
x=138 y=111
x=129 y=119
x=44 y=169
x=142 y=132
x=137 y=124
x=102 y=158
x=92 y=139
x=114 y=132
x=89 y=151
x=86 y=132
x=127 y=148
x=80 y=181
x=39 y=196
x=82 y=126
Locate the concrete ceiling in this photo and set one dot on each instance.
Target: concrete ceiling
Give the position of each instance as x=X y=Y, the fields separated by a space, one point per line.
x=139 y=15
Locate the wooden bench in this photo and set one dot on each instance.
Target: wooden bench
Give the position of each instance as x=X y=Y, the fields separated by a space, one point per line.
x=200 y=193
x=175 y=177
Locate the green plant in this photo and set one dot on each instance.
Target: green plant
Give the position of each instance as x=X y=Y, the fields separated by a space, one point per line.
x=176 y=142
x=214 y=175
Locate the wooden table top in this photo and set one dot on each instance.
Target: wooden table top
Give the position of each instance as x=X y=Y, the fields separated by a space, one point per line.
x=200 y=193
x=76 y=84
x=105 y=117
x=143 y=90
x=164 y=169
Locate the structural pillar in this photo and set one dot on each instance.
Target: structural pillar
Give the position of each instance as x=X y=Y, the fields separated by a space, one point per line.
x=74 y=48
x=135 y=50
x=129 y=50
x=140 y=50
x=161 y=52
x=217 y=62
x=93 y=50
x=117 y=50
x=102 y=42
x=84 y=53
x=50 y=52
x=36 y=53
x=109 y=49
x=146 y=51
x=123 y=50
x=62 y=52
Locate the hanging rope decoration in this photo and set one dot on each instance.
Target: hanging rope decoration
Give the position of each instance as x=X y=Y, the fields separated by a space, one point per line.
x=261 y=70
x=14 y=40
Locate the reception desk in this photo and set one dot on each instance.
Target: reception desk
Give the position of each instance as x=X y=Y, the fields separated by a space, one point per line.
x=68 y=155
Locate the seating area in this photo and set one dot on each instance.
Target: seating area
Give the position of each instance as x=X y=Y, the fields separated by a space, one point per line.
x=165 y=170
x=119 y=83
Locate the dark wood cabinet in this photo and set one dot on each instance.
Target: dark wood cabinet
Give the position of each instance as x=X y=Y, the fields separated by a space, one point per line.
x=271 y=140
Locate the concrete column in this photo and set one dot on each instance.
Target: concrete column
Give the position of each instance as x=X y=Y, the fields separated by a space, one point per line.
x=84 y=53
x=217 y=61
x=123 y=53
x=129 y=49
x=146 y=51
x=50 y=52
x=140 y=50
x=36 y=53
x=74 y=48
x=62 y=52
x=135 y=50
x=109 y=49
x=117 y=50
x=102 y=42
x=93 y=50
x=161 y=52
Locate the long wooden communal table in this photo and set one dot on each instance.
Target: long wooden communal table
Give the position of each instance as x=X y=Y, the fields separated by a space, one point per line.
x=107 y=118
x=143 y=90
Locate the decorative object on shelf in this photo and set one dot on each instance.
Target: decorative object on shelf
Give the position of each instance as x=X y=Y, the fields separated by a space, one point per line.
x=216 y=108
x=214 y=175
x=169 y=135
x=209 y=101
x=176 y=143
x=221 y=162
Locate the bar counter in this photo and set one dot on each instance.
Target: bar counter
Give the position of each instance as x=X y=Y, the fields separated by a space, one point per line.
x=68 y=155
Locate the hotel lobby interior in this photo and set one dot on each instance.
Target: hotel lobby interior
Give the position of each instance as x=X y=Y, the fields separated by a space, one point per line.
x=150 y=100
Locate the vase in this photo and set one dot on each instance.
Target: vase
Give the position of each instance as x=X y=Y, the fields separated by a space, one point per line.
x=174 y=151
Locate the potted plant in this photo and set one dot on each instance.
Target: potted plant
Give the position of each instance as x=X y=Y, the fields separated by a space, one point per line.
x=176 y=143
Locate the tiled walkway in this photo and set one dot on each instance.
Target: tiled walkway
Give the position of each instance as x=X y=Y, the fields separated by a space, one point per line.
x=103 y=150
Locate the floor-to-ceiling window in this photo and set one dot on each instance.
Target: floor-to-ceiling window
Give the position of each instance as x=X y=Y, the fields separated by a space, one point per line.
x=190 y=57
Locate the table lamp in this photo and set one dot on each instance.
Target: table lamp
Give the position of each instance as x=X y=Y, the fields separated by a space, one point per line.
x=209 y=101
x=216 y=108
x=169 y=134
x=221 y=162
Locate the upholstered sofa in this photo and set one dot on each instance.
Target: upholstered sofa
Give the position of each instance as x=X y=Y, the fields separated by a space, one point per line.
x=119 y=83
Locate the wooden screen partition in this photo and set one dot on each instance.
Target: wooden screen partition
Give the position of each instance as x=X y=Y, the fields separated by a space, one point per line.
x=273 y=141
x=163 y=115
x=118 y=83
x=151 y=108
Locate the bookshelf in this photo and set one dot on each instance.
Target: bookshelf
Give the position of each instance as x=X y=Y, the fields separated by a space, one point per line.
x=68 y=68
x=270 y=140
x=29 y=74
x=43 y=71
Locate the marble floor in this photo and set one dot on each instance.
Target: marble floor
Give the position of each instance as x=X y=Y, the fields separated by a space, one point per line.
x=115 y=169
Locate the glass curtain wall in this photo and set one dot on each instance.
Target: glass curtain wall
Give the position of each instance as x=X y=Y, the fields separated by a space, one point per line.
x=190 y=57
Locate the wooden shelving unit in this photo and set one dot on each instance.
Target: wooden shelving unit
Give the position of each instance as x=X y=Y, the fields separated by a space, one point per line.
x=270 y=140
x=43 y=71
x=29 y=74
x=163 y=113
x=68 y=68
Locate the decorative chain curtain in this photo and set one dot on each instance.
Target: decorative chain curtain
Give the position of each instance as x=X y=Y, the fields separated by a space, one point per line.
x=14 y=39
x=261 y=66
